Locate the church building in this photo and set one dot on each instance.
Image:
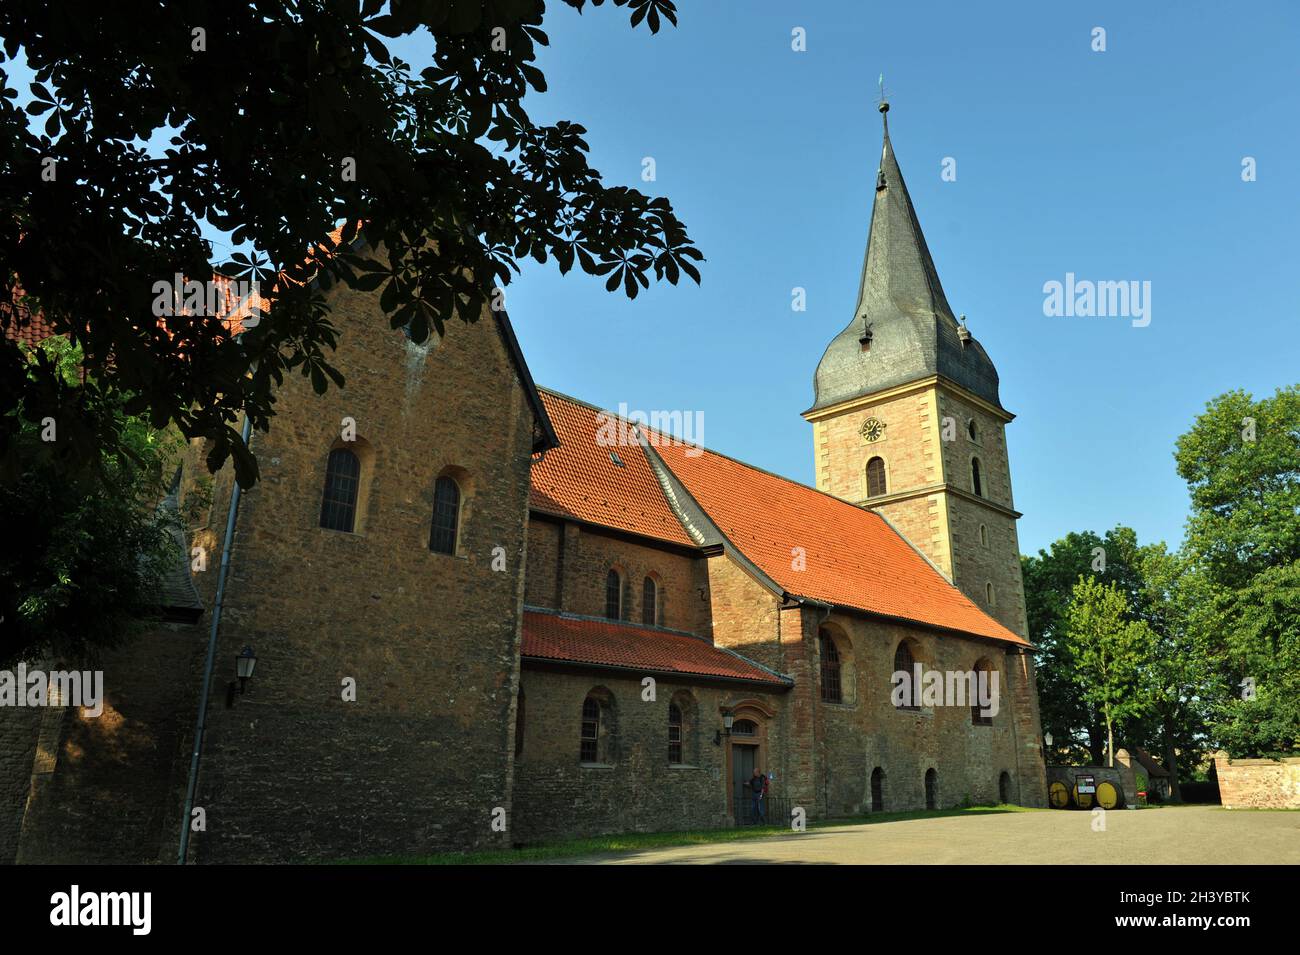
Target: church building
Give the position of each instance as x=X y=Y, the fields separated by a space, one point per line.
x=486 y=613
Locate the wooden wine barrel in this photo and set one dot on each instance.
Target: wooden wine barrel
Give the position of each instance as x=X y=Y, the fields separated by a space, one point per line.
x=1057 y=795
x=1082 y=800
x=1109 y=796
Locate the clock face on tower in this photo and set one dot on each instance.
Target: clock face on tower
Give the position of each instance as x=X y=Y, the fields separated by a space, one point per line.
x=873 y=429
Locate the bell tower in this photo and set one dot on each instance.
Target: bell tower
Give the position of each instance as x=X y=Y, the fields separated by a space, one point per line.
x=906 y=416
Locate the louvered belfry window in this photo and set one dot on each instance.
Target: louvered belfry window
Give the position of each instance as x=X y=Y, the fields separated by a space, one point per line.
x=338 y=511
x=875 y=477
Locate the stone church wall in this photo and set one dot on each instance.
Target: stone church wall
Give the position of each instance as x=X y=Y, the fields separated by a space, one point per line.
x=420 y=759
x=110 y=788
x=568 y=564
x=866 y=731
x=632 y=788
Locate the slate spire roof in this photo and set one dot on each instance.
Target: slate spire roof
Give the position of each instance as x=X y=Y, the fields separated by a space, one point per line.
x=902 y=305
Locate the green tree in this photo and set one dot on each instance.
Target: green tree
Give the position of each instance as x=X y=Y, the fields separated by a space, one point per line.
x=82 y=555
x=1241 y=460
x=281 y=120
x=1076 y=726
x=1108 y=650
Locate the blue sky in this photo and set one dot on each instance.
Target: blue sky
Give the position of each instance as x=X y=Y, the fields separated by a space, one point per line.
x=1116 y=165
x=1122 y=165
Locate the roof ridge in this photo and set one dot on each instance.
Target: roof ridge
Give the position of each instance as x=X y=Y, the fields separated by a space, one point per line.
x=704 y=448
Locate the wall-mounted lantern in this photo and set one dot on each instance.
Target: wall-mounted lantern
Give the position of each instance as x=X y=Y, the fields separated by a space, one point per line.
x=728 y=717
x=245 y=664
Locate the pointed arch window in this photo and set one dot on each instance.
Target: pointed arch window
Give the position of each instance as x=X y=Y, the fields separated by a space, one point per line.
x=876 y=477
x=976 y=484
x=831 y=691
x=446 y=516
x=338 y=511
x=650 y=602
x=984 y=535
x=614 y=594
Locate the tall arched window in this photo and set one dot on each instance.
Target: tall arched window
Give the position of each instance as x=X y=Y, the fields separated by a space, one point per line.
x=446 y=516
x=590 y=748
x=614 y=594
x=875 y=477
x=975 y=483
x=988 y=593
x=649 y=602
x=338 y=511
x=931 y=789
x=903 y=661
x=675 y=734
x=830 y=669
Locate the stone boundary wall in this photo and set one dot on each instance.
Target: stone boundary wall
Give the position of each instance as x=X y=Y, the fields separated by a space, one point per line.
x=1258 y=783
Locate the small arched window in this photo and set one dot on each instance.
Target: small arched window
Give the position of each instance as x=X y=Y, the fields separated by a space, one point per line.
x=875 y=477
x=984 y=535
x=903 y=664
x=973 y=430
x=988 y=593
x=614 y=594
x=976 y=484
x=650 y=602
x=831 y=692
x=590 y=747
x=338 y=511
x=675 y=734
x=446 y=516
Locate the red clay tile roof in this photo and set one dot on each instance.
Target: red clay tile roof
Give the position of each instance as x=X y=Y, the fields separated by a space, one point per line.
x=580 y=480
x=853 y=557
x=572 y=639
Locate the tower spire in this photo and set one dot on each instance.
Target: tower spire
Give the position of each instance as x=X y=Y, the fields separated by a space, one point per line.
x=902 y=328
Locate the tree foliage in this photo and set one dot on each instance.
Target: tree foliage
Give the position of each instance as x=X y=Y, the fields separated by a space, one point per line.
x=1108 y=650
x=1241 y=460
x=83 y=554
x=281 y=120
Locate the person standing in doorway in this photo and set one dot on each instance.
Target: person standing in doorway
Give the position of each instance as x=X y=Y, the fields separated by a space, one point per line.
x=757 y=790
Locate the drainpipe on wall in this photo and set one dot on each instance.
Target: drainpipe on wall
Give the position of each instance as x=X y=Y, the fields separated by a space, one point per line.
x=201 y=721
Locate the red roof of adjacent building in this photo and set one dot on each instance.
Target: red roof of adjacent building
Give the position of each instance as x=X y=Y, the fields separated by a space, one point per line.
x=815 y=545
x=850 y=557
x=573 y=639
x=582 y=480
